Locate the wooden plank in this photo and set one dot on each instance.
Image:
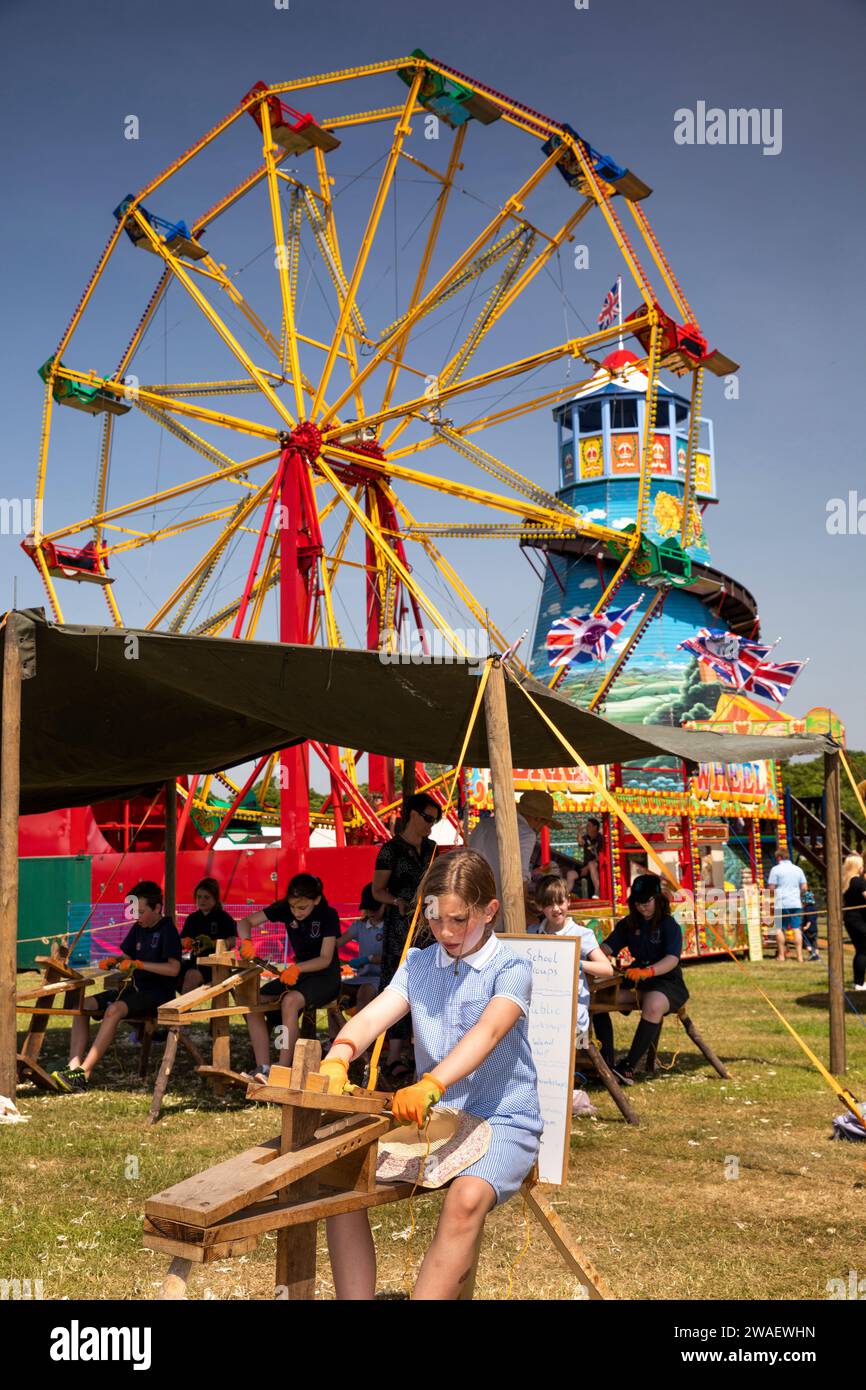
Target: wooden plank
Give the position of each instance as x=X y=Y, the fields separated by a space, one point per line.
x=37 y=1074
x=170 y=1018
x=199 y=1254
x=369 y=1104
x=236 y=1078
x=295 y=1273
x=217 y=1192
x=574 y=1257
x=282 y=1214
x=44 y=990
x=48 y=1013
x=60 y=966
x=194 y=997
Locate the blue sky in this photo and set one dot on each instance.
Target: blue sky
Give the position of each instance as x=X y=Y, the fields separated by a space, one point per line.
x=769 y=250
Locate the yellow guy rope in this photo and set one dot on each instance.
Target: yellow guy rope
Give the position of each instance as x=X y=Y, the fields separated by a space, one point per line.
x=854 y=787
x=844 y=1095
x=377 y=1049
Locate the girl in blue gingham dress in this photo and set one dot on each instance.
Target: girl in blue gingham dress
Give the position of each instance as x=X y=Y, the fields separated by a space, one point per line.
x=469 y=999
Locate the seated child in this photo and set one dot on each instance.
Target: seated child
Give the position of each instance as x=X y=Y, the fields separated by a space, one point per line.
x=551 y=895
x=208 y=924
x=468 y=995
x=367 y=931
x=312 y=980
x=151 y=966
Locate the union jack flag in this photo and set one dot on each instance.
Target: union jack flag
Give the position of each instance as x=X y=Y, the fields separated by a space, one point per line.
x=582 y=640
x=610 y=307
x=742 y=663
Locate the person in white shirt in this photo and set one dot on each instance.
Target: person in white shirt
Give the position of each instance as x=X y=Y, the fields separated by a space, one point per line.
x=787 y=880
x=551 y=898
x=534 y=809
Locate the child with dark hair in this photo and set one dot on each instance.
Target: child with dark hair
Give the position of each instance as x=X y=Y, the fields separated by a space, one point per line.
x=551 y=897
x=368 y=931
x=205 y=926
x=654 y=940
x=150 y=964
x=468 y=996
x=310 y=980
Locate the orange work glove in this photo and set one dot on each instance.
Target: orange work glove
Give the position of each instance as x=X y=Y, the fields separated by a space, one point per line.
x=246 y=949
x=337 y=1071
x=187 y=943
x=107 y=963
x=127 y=966
x=412 y=1104
x=290 y=975
x=637 y=972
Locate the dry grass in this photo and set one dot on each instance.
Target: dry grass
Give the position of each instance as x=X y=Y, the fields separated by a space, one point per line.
x=651 y=1206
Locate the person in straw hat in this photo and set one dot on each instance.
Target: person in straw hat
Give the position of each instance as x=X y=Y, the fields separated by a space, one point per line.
x=468 y=995
x=534 y=809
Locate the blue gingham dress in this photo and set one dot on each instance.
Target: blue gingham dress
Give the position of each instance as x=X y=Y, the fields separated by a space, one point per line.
x=504 y=1089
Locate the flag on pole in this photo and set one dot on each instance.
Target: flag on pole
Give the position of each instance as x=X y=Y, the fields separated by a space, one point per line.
x=582 y=640
x=742 y=663
x=772 y=680
x=611 y=307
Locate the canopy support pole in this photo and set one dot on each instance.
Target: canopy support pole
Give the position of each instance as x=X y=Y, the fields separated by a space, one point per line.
x=10 y=783
x=505 y=809
x=170 y=885
x=835 y=958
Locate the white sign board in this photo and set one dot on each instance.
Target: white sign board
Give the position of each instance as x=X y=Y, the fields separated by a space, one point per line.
x=552 y=1020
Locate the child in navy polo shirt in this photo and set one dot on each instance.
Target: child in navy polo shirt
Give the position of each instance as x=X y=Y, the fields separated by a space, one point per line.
x=202 y=929
x=311 y=980
x=150 y=964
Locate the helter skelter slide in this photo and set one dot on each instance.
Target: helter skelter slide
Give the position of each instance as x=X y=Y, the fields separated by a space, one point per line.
x=293 y=293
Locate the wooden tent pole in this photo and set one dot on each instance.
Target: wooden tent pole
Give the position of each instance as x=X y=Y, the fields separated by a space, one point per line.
x=10 y=786
x=504 y=807
x=835 y=958
x=170 y=885
x=407 y=786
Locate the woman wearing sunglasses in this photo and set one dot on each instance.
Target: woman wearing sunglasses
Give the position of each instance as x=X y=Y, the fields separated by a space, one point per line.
x=400 y=866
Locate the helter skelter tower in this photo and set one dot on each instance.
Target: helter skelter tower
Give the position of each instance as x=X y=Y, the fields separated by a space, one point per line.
x=344 y=387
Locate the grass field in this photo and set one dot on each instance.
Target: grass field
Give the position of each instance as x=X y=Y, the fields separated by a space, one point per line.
x=656 y=1208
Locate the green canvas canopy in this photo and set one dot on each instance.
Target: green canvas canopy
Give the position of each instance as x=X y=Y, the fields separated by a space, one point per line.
x=109 y=712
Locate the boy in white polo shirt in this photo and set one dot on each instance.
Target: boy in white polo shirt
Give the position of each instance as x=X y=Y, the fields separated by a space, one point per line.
x=551 y=896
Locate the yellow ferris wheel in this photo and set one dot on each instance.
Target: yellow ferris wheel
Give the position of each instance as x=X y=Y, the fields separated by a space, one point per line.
x=368 y=332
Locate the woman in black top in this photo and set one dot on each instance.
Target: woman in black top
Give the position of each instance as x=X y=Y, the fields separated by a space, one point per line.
x=311 y=980
x=400 y=866
x=854 y=899
x=208 y=924
x=655 y=943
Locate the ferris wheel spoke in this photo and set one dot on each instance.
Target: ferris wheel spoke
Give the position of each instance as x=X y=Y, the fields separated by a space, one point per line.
x=327 y=240
x=573 y=347
x=211 y=315
x=154 y=499
x=426 y=257
x=138 y=539
x=510 y=207
x=282 y=267
x=451 y=577
x=392 y=559
x=498 y=418
x=248 y=506
x=401 y=130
